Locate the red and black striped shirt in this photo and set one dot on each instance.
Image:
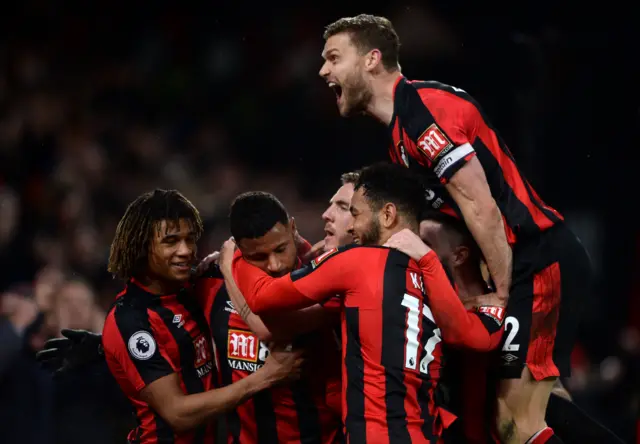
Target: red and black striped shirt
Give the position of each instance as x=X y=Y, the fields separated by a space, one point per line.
x=146 y=337
x=295 y=414
x=471 y=395
x=471 y=383
x=391 y=340
x=441 y=127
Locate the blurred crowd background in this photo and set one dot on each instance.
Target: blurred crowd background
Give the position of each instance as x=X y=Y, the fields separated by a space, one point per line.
x=100 y=102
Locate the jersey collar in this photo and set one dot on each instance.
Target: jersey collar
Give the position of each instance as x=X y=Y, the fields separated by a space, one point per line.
x=398 y=87
x=137 y=284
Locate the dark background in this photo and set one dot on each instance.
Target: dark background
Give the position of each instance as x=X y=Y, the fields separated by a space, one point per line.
x=100 y=101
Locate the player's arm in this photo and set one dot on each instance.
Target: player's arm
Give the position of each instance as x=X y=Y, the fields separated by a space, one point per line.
x=480 y=330
x=308 y=286
x=447 y=150
x=470 y=190
x=207 y=289
x=276 y=327
x=185 y=412
x=151 y=372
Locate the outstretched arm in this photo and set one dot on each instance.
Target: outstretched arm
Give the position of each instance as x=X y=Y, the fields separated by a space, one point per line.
x=280 y=327
x=308 y=286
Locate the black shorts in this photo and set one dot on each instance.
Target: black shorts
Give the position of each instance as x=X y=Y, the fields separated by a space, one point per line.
x=552 y=280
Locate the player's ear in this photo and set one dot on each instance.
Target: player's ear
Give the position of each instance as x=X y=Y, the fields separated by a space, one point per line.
x=292 y=224
x=372 y=59
x=460 y=255
x=389 y=215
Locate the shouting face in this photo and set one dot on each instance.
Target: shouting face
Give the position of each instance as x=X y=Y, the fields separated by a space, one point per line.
x=344 y=71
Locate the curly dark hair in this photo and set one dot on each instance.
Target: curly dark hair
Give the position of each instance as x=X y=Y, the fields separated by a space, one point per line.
x=130 y=246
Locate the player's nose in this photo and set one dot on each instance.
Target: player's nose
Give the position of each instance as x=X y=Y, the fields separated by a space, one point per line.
x=326 y=216
x=324 y=70
x=274 y=265
x=351 y=225
x=184 y=249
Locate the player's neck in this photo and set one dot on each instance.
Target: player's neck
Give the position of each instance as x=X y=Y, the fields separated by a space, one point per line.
x=469 y=281
x=381 y=104
x=401 y=225
x=159 y=286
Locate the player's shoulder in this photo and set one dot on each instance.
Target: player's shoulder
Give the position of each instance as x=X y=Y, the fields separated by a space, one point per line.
x=211 y=280
x=209 y=289
x=365 y=252
x=128 y=322
x=372 y=257
x=130 y=308
x=345 y=253
x=442 y=94
x=398 y=258
x=213 y=272
x=435 y=87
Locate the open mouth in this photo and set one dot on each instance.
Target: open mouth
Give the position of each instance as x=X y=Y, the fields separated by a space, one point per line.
x=182 y=265
x=328 y=232
x=337 y=89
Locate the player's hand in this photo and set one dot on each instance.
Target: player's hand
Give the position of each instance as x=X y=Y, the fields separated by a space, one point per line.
x=226 y=256
x=409 y=243
x=76 y=349
x=282 y=364
x=205 y=263
x=315 y=251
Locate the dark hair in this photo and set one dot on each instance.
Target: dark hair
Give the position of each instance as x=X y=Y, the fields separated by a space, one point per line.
x=254 y=213
x=453 y=225
x=130 y=246
x=350 y=177
x=388 y=182
x=369 y=32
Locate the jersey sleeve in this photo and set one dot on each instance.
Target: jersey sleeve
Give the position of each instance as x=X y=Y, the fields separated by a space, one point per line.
x=333 y=304
x=443 y=127
x=134 y=350
x=475 y=330
x=322 y=279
